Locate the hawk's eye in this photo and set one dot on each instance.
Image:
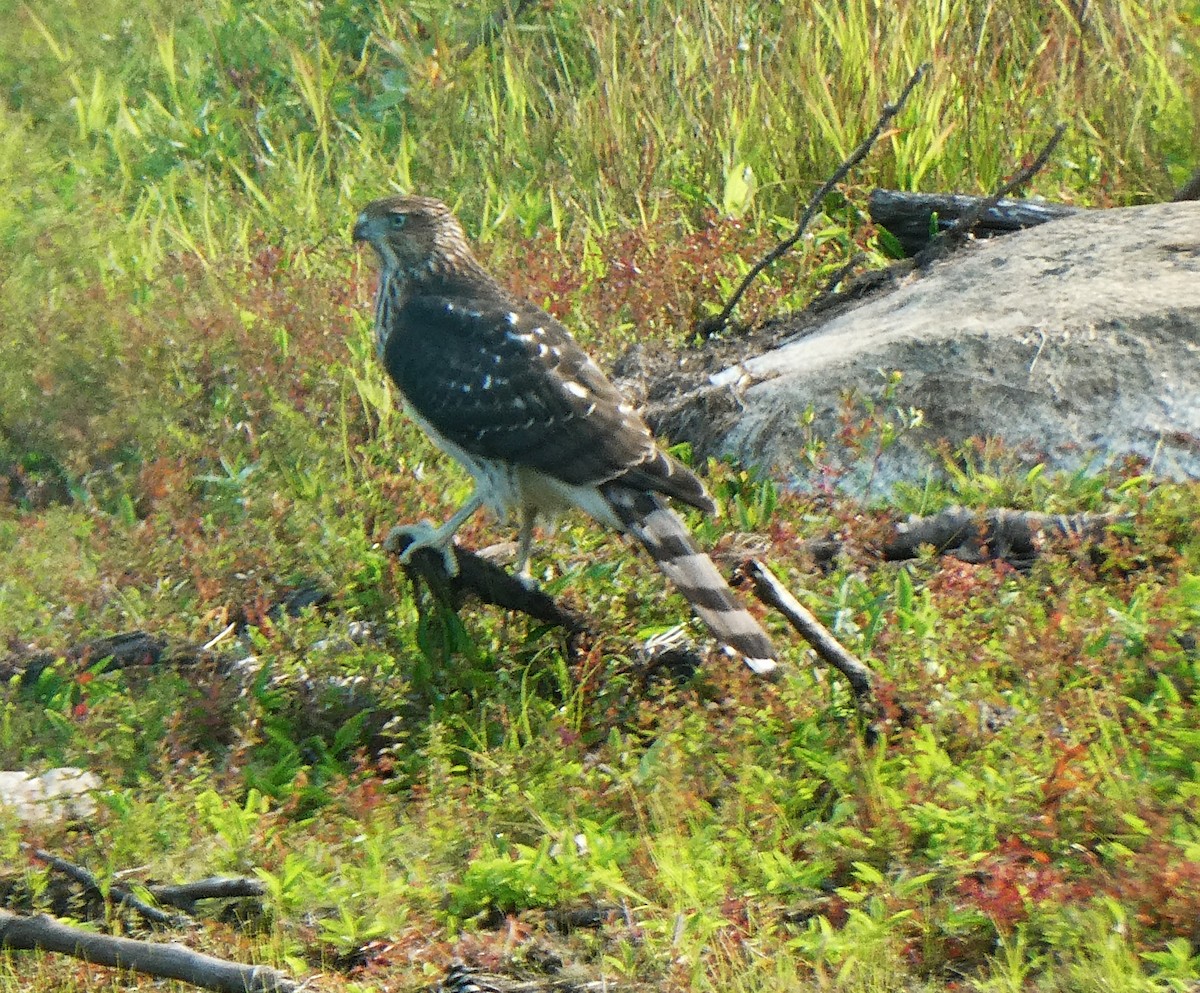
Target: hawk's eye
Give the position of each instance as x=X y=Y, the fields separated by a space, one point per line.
x=398 y=221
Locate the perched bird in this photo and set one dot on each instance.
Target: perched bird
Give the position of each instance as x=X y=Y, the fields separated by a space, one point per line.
x=501 y=386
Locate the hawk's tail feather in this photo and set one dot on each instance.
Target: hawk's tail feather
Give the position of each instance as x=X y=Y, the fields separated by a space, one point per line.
x=647 y=518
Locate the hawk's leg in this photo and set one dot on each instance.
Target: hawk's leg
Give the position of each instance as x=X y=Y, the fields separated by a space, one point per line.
x=524 y=545
x=425 y=535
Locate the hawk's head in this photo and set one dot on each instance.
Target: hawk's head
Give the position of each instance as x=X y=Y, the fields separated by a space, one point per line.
x=414 y=236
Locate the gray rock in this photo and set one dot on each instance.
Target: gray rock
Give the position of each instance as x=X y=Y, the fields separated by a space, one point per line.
x=55 y=795
x=1072 y=342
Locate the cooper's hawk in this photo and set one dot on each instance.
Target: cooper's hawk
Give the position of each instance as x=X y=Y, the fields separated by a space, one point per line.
x=501 y=386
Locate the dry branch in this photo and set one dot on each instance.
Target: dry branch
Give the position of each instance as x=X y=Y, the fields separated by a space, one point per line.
x=186 y=895
x=773 y=593
x=167 y=961
x=1015 y=536
x=131 y=649
x=716 y=324
x=909 y=216
x=482 y=579
x=957 y=233
x=116 y=891
x=123 y=651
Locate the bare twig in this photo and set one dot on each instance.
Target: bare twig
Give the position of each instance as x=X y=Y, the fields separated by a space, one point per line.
x=959 y=230
x=907 y=215
x=480 y=578
x=772 y=592
x=185 y=895
x=1013 y=536
x=116 y=891
x=169 y=961
x=716 y=324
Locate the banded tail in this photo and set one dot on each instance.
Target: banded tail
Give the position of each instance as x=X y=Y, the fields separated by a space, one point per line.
x=646 y=516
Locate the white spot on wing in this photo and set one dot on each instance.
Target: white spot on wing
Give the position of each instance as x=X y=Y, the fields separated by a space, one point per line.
x=487 y=382
x=513 y=318
x=524 y=339
x=573 y=387
x=625 y=408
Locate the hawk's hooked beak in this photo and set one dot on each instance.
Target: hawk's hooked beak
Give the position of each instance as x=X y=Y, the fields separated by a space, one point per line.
x=361 y=228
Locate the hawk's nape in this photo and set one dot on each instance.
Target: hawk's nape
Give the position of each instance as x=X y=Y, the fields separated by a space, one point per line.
x=501 y=386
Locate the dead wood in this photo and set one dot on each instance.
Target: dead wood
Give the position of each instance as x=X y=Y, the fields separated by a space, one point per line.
x=716 y=324
x=185 y=896
x=116 y=892
x=167 y=961
x=480 y=578
x=123 y=651
x=956 y=235
x=132 y=649
x=1012 y=536
x=773 y=593
x=911 y=216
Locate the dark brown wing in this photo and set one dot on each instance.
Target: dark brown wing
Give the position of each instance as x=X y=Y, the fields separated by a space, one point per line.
x=504 y=380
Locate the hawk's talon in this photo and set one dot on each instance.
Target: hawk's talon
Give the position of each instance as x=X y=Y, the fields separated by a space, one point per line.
x=422 y=535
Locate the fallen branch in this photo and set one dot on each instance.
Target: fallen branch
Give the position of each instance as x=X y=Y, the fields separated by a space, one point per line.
x=123 y=651
x=1014 y=536
x=186 y=895
x=908 y=216
x=131 y=649
x=957 y=233
x=773 y=593
x=714 y=325
x=122 y=896
x=166 y=961
x=484 y=580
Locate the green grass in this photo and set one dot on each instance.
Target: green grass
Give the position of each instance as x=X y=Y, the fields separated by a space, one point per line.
x=193 y=422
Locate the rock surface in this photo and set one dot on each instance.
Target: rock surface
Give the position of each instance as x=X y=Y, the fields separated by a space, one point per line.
x=53 y=796
x=1072 y=342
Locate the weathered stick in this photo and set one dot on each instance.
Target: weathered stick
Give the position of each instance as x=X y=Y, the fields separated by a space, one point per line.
x=908 y=215
x=958 y=231
x=479 y=578
x=716 y=324
x=130 y=649
x=122 y=895
x=1015 y=536
x=168 y=961
x=185 y=895
x=772 y=592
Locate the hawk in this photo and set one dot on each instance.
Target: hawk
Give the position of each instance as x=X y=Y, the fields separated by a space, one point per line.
x=503 y=388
